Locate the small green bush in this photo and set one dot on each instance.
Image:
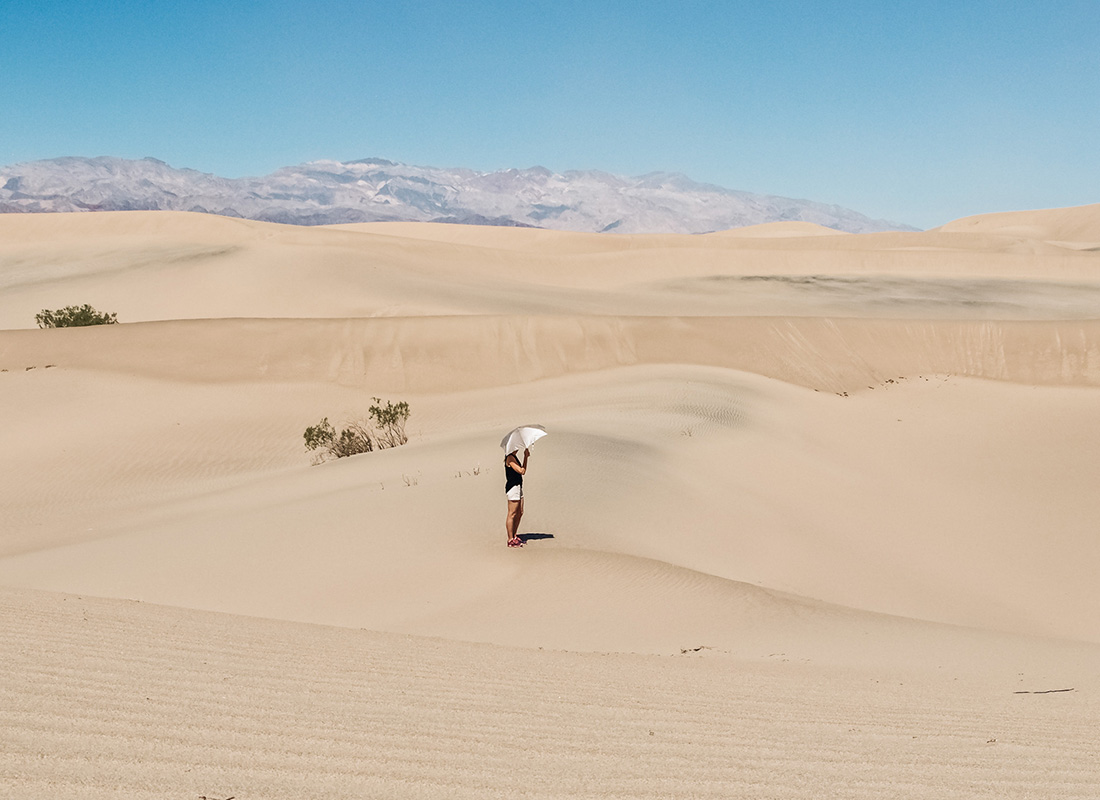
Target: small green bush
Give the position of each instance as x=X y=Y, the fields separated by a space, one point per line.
x=73 y=317
x=390 y=420
x=320 y=436
x=386 y=429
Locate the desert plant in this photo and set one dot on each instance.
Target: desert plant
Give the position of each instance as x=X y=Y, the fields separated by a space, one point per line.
x=390 y=421
x=385 y=429
x=320 y=436
x=354 y=439
x=73 y=317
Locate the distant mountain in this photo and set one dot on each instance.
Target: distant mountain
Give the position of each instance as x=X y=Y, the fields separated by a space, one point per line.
x=372 y=190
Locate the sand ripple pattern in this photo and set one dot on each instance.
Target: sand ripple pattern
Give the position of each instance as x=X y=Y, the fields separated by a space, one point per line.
x=107 y=699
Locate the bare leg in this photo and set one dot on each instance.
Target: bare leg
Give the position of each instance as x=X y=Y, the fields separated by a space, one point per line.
x=519 y=516
x=511 y=521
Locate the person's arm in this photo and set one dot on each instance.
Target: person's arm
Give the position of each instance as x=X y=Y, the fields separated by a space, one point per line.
x=513 y=463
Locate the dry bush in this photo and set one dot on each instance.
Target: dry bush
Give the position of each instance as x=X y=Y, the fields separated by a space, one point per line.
x=384 y=429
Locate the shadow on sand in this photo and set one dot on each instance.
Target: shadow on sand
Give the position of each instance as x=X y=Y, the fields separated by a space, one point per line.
x=530 y=537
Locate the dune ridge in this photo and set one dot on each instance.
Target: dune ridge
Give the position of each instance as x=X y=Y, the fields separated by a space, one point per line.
x=1078 y=225
x=433 y=354
x=150 y=266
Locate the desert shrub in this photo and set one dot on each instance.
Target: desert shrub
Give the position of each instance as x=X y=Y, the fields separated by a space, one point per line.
x=320 y=436
x=390 y=421
x=73 y=317
x=356 y=438
x=385 y=429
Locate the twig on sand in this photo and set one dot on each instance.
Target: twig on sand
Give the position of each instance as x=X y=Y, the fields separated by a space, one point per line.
x=1047 y=691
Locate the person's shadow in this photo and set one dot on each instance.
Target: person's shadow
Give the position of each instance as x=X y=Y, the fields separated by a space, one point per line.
x=530 y=537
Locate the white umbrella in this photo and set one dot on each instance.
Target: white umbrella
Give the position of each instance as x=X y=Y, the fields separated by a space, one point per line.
x=521 y=438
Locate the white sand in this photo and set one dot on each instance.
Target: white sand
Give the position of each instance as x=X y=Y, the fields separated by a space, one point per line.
x=853 y=477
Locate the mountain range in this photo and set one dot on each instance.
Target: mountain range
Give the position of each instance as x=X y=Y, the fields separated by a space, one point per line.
x=375 y=190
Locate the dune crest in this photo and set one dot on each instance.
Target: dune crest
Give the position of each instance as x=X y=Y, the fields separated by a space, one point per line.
x=779 y=230
x=1078 y=224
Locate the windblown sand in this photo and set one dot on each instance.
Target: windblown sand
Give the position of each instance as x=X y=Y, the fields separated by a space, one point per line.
x=817 y=516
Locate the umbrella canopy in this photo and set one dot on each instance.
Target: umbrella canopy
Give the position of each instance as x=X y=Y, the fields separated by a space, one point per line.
x=521 y=438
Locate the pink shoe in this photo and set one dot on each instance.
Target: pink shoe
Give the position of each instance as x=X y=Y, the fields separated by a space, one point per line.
x=515 y=541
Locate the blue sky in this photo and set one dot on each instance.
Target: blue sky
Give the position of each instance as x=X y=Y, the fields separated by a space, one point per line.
x=919 y=112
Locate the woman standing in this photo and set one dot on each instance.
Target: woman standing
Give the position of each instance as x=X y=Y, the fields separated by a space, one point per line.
x=513 y=488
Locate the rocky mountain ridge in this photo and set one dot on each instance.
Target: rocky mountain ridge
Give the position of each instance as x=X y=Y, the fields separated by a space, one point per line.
x=374 y=190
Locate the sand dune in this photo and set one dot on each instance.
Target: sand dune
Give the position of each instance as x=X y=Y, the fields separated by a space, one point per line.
x=150 y=266
x=1076 y=227
x=439 y=354
x=821 y=496
x=814 y=507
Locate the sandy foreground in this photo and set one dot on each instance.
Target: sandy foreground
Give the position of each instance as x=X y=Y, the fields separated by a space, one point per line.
x=816 y=517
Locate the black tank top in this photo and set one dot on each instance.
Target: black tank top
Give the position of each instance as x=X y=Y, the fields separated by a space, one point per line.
x=511 y=477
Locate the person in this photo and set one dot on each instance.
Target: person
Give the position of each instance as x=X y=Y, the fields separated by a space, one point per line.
x=513 y=488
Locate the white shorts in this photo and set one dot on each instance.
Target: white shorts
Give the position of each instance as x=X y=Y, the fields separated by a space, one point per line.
x=515 y=493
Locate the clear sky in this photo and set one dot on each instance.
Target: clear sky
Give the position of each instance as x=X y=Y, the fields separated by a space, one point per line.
x=918 y=112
